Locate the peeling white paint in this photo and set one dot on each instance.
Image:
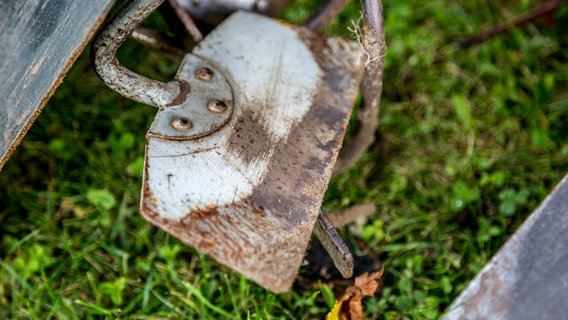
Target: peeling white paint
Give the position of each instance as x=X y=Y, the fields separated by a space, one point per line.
x=277 y=86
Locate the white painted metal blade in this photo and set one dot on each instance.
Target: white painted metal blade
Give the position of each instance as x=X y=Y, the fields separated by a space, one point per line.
x=249 y=193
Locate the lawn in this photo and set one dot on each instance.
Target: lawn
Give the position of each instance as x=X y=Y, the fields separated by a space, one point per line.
x=471 y=141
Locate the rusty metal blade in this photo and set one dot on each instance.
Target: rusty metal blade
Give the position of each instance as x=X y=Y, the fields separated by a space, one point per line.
x=528 y=277
x=249 y=193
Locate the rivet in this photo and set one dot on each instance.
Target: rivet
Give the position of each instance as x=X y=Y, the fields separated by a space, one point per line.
x=204 y=74
x=217 y=106
x=181 y=124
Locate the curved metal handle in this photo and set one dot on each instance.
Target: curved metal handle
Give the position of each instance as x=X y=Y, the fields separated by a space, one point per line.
x=119 y=78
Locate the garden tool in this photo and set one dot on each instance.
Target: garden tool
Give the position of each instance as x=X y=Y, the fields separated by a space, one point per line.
x=245 y=139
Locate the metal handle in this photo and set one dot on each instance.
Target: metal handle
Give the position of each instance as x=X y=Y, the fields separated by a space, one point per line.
x=123 y=80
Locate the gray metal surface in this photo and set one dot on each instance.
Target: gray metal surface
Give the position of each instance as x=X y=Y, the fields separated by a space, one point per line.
x=250 y=193
x=39 y=41
x=528 y=277
x=214 y=11
x=208 y=108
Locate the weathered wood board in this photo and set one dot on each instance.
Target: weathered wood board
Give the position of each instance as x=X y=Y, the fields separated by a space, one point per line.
x=39 y=41
x=528 y=277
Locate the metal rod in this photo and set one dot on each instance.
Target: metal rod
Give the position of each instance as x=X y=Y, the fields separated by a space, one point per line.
x=334 y=245
x=187 y=21
x=350 y=214
x=119 y=78
x=373 y=41
x=157 y=40
x=535 y=13
x=325 y=14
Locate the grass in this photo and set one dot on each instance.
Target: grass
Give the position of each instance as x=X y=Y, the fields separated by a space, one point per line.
x=471 y=142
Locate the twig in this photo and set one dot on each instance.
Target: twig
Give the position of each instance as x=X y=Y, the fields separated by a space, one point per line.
x=348 y=215
x=187 y=22
x=535 y=13
x=325 y=14
x=156 y=40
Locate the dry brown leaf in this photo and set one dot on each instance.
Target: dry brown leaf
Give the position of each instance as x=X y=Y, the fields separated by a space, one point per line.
x=349 y=306
x=368 y=283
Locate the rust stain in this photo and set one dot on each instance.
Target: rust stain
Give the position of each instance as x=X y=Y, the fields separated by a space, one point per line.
x=253 y=207
x=300 y=169
x=249 y=139
x=204 y=244
x=203 y=213
x=149 y=202
x=316 y=44
x=184 y=91
x=259 y=212
x=324 y=50
x=231 y=234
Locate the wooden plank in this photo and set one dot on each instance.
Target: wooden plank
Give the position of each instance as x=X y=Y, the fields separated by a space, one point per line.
x=528 y=277
x=39 y=41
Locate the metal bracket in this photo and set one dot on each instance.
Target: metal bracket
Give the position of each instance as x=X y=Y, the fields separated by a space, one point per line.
x=207 y=108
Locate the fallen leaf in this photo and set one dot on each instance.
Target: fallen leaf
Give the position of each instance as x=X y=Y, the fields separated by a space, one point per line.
x=368 y=283
x=349 y=306
x=334 y=314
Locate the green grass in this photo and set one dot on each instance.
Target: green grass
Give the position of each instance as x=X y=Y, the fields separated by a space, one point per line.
x=471 y=142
